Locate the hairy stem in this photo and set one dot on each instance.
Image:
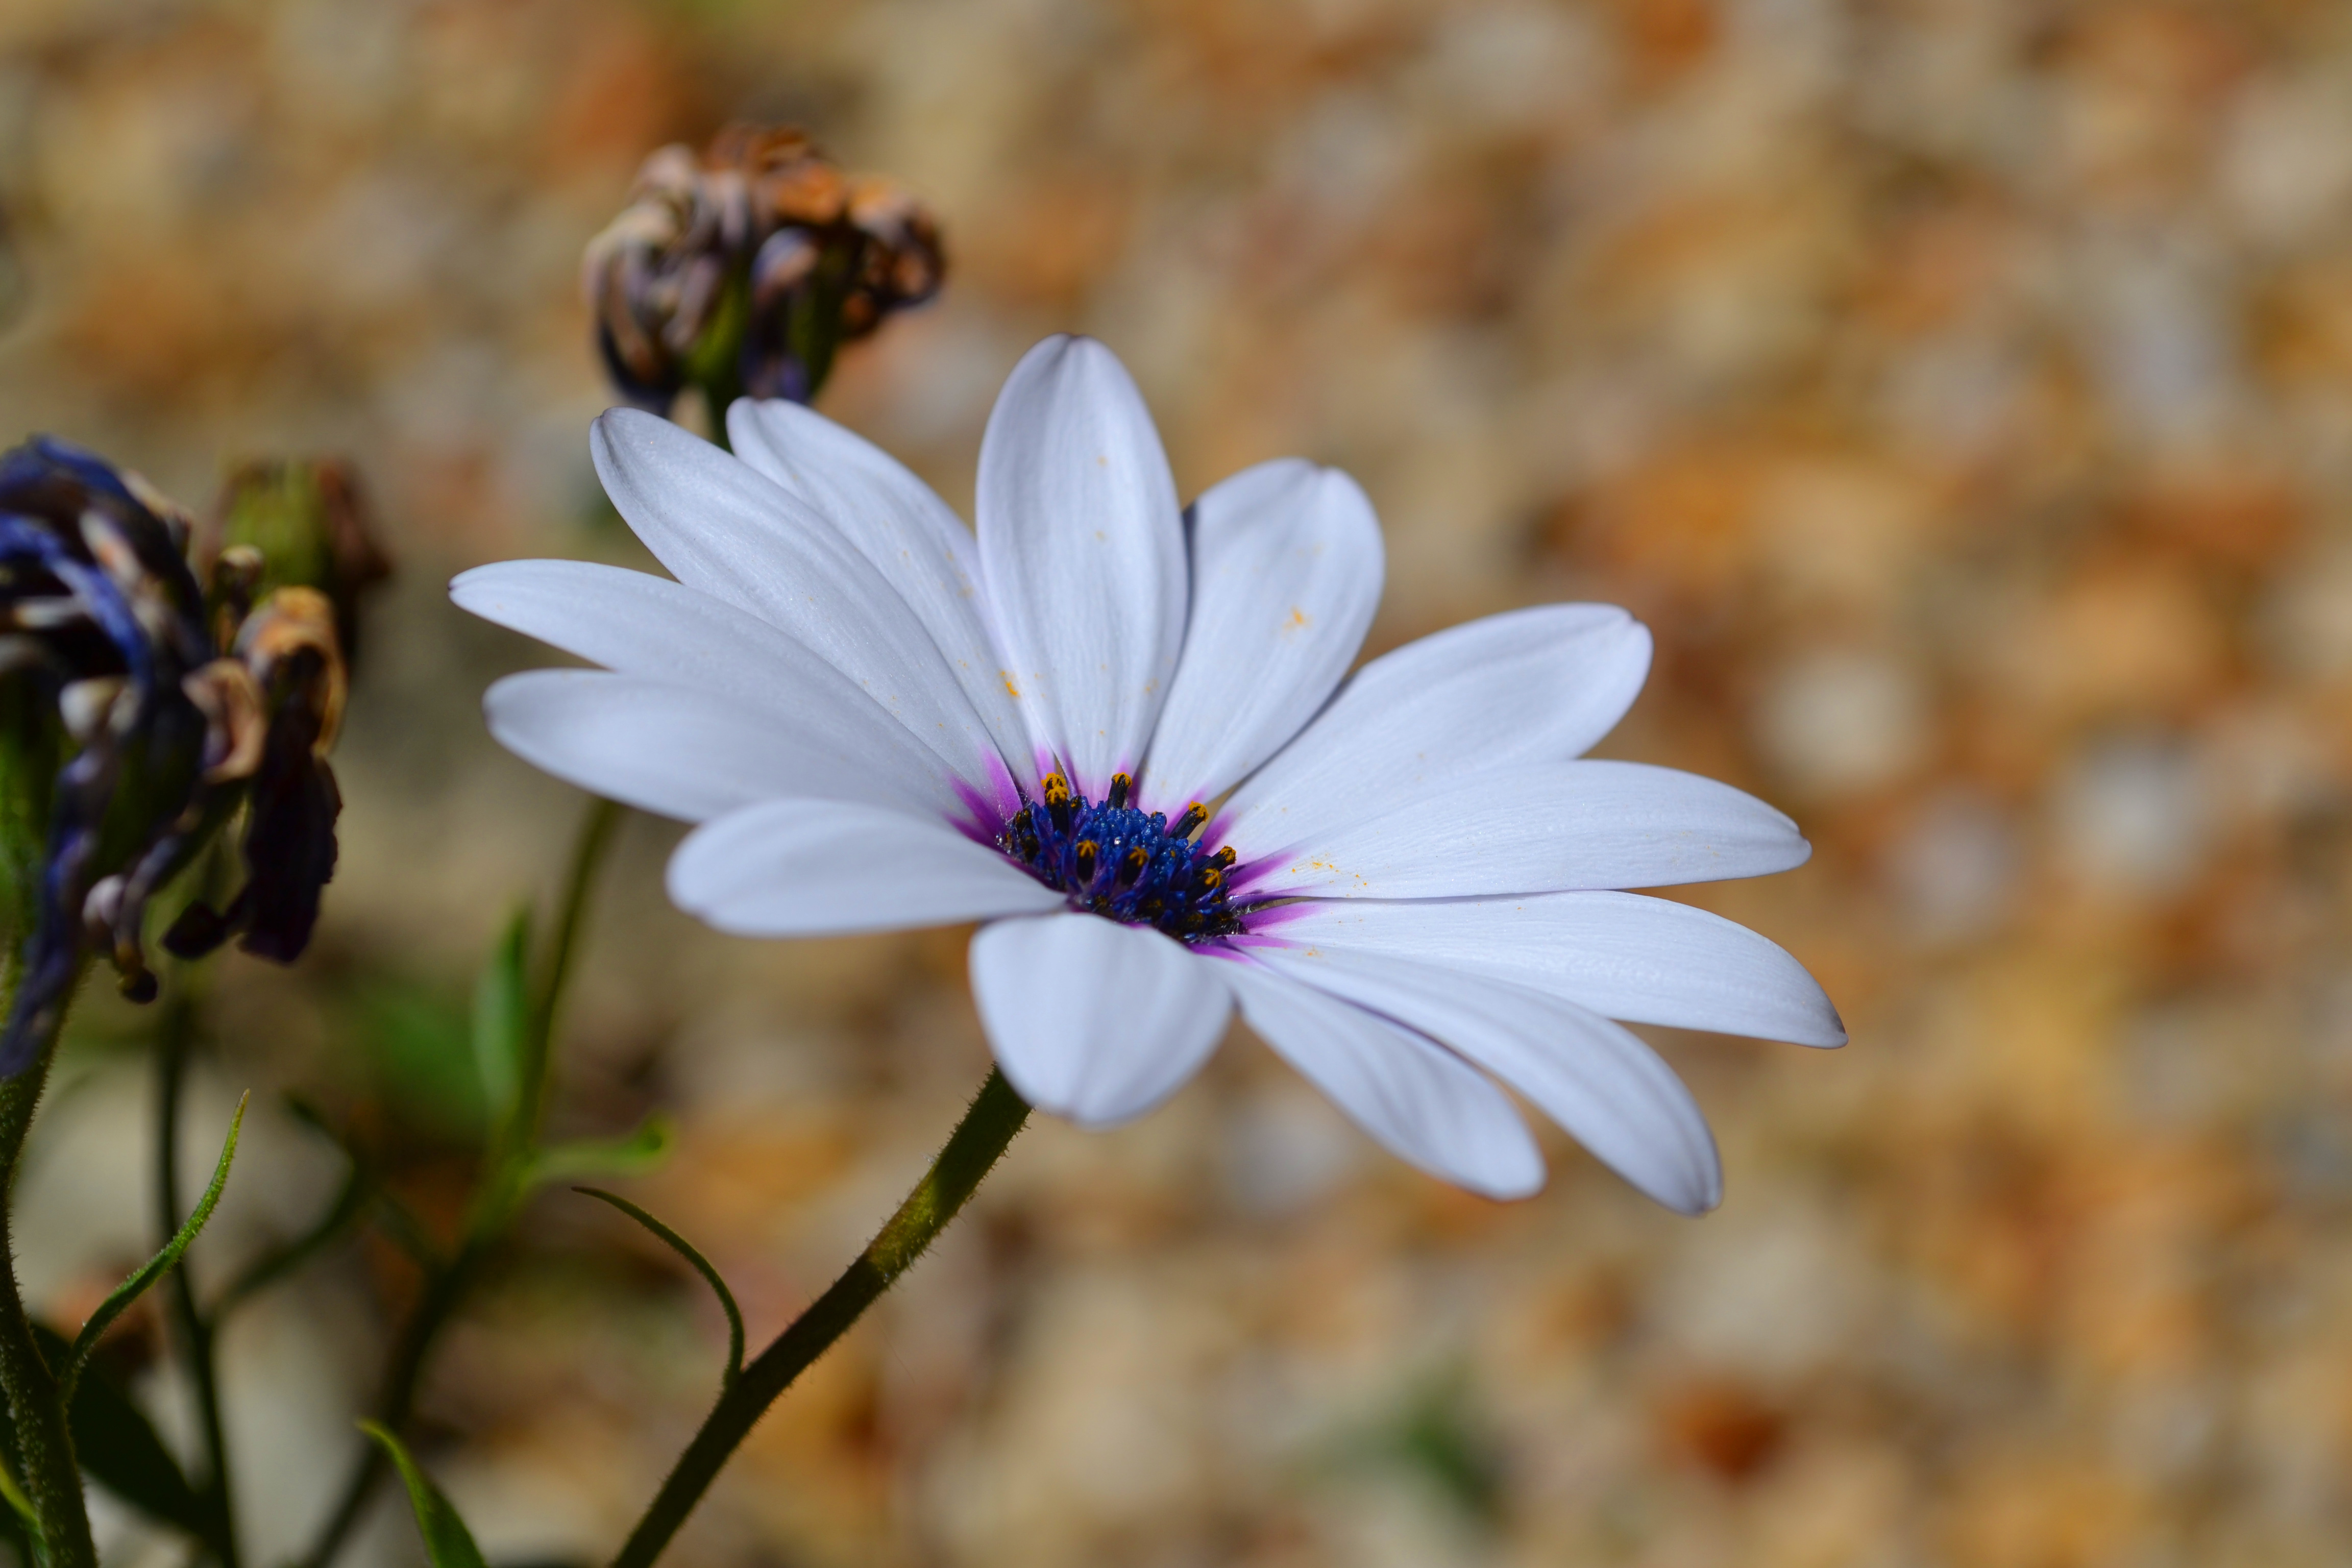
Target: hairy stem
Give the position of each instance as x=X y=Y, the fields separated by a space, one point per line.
x=502 y=1184
x=51 y=1479
x=972 y=1149
x=176 y=1040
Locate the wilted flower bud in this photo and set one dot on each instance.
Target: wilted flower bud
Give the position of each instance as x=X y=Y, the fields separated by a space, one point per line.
x=742 y=270
x=108 y=661
x=294 y=525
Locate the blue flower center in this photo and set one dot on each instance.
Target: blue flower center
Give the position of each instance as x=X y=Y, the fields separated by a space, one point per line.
x=1115 y=861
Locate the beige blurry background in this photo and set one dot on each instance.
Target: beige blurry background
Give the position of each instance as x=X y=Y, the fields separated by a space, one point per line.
x=1961 y=390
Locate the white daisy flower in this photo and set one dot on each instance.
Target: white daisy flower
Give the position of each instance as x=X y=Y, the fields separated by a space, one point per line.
x=1118 y=733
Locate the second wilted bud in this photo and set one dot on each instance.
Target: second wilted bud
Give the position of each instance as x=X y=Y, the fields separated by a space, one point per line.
x=741 y=270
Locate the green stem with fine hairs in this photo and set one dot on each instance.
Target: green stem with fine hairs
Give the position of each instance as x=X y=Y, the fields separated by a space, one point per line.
x=51 y=1479
x=997 y=1112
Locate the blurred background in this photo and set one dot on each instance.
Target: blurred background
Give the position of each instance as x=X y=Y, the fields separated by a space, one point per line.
x=1960 y=389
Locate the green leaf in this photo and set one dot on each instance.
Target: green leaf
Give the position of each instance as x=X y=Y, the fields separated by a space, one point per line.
x=447 y=1543
x=632 y=1154
x=117 y=1445
x=702 y=1265
x=501 y=1034
x=131 y=1290
x=419 y=1040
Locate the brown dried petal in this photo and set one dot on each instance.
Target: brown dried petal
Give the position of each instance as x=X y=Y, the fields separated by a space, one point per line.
x=290 y=623
x=225 y=693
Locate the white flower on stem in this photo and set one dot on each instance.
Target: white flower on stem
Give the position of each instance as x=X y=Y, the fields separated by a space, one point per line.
x=1119 y=735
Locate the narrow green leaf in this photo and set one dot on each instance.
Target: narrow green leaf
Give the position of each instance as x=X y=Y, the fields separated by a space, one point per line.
x=502 y=1020
x=702 y=1265
x=118 y=1447
x=632 y=1155
x=131 y=1290
x=447 y=1543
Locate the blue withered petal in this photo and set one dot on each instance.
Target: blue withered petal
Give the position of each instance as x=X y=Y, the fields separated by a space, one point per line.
x=105 y=621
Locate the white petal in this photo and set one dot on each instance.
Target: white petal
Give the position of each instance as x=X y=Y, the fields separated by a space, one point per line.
x=1095 y=1020
x=678 y=751
x=637 y=624
x=909 y=534
x=1083 y=551
x=1287 y=566
x=1622 y=955
x=1539 y=829
x=724 y=530
x=1418 y=1101
x=817 y=867
x=1594 y=1077
x=1532 y=686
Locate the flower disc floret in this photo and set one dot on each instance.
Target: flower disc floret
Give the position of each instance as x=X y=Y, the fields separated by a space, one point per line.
x=1113 y=859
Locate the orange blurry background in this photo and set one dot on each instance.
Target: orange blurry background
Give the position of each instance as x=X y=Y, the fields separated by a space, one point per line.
x=1960 y=389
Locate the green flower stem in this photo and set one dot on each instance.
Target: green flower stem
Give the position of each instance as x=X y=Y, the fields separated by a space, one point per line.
x=972 y=1149
x=588 y=854
x=177 y=1039
x=52 y=1482
x=498 y=1194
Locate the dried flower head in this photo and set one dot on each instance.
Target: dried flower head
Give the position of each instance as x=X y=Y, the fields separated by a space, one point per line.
x=105 y=638
x=743 y=269
x=138 y=713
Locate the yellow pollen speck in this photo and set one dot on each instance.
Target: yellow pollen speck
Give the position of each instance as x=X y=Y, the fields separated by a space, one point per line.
x=1297 y=623
x=1006 y=676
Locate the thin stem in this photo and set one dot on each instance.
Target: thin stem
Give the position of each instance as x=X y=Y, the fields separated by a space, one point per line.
x=52 y=1482
x=588 y=851
x=997 y=1112
x=496 y=1199
x=176 y=1040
